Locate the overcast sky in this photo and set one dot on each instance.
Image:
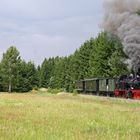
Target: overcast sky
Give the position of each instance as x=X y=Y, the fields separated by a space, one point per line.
x=47 y=28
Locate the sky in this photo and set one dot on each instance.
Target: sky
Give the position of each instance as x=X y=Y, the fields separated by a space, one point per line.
x=47 y=28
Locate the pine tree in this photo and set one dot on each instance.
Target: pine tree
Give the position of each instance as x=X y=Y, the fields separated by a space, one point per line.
x=107 y=54
x=9 y=67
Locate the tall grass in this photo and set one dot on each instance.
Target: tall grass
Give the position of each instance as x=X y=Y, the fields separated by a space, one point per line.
x=67 y=117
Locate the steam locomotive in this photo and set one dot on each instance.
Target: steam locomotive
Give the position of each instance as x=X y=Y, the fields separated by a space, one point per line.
x=124 y=86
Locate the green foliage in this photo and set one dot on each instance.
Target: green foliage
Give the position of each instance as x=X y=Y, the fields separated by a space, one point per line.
x=54 y=91
x=27 y=77
x=81 y=60
x=99 y=57
x=16 y=74
x=107 y=59
x=35 y=88
x=46 y=72
x=75 y=92
x=138 y=12
x=9 y=69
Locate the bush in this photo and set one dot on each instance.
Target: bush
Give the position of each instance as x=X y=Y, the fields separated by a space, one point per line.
x=35 y=88
x=34 y=91
x=75 y=92
x=54 y=91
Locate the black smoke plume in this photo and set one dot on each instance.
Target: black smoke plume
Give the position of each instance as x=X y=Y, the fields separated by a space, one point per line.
x=122 y=19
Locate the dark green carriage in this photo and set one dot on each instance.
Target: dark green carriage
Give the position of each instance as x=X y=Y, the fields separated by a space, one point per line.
x=100 y=86
x=91 y=85
x=80 y=86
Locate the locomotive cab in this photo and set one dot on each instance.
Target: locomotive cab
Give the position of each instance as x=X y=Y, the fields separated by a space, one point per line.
x=128 y=88
x=135 y=88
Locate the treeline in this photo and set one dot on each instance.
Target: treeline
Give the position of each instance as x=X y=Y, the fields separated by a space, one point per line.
x=99 y=57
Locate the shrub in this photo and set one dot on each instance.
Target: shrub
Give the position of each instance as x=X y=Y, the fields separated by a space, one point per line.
x=75 y=92
x=55 y=91
x=35 y=88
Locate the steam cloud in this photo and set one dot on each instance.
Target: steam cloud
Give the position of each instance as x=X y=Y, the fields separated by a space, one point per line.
x=121 y=18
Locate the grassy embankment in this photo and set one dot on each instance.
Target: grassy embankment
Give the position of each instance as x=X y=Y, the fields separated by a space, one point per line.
x=67 y=117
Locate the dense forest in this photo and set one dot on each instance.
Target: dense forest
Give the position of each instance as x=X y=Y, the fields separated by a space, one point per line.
x=102 y=56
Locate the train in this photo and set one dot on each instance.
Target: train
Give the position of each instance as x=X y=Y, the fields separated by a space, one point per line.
x=123 y=86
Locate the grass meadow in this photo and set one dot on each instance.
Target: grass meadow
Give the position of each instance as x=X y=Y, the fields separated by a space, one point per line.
x=43 y=116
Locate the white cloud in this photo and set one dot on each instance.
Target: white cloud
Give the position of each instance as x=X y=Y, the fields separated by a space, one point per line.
x=45 y=28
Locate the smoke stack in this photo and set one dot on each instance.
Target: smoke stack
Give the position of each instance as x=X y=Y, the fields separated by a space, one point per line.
x=122 y=19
